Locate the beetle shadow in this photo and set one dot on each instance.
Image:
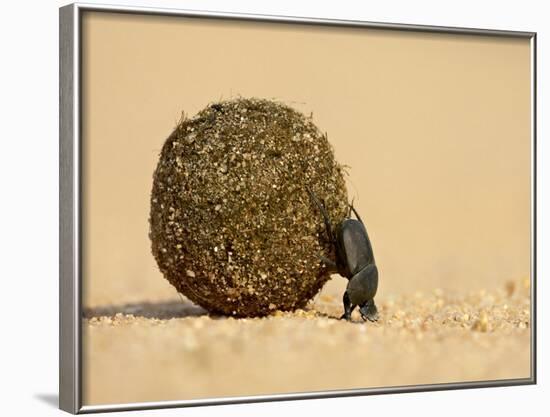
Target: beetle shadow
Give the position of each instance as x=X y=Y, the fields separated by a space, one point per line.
x=157 y=310
x=165 y=310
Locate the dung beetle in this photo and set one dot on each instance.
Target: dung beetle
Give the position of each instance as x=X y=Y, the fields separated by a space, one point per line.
x=354 y=261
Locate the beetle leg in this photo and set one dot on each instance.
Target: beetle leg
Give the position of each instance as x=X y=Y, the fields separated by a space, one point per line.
x=323 y=211
x=329 y=263
x=350 y=207
x=348 y=307
x=356 y=214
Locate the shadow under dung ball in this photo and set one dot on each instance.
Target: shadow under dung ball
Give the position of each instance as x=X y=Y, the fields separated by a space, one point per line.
x=232 y=225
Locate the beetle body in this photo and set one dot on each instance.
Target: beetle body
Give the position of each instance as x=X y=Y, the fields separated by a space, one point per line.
x=354 y=261
x=353 y=248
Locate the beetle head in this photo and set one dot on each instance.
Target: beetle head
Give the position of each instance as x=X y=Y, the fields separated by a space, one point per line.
x=369 y=311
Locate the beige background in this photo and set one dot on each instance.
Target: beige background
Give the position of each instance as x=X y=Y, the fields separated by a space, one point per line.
x=435 y=129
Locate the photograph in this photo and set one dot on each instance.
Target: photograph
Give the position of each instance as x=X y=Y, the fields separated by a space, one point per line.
x=275 y=207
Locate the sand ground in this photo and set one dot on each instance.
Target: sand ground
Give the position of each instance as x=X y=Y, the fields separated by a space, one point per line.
x=173 y=350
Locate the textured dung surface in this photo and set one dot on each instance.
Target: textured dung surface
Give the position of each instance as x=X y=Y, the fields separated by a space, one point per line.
x=173 y=351
x=232 y=225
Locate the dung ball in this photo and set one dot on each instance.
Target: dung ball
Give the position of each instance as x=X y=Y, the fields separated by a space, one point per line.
x=232 y=225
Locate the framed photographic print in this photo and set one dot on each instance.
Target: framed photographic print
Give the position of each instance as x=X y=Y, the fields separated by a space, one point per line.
x=258 y=207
